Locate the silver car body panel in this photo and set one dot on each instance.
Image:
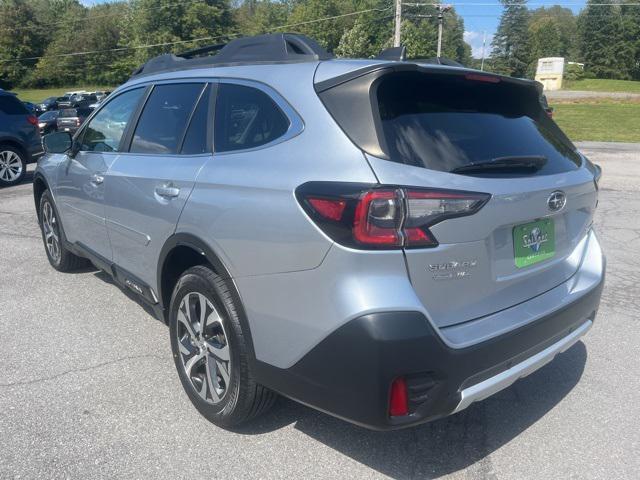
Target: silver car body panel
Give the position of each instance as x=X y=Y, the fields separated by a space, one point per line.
x=287 y=322
x=297 y=285
x=484 y=240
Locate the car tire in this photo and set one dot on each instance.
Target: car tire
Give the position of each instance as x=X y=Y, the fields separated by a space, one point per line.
x=213 y=362
x=13 y=165
x=53 y=238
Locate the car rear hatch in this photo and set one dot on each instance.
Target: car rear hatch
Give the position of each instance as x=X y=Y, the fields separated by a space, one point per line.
x=455 y=129
x=68 y=119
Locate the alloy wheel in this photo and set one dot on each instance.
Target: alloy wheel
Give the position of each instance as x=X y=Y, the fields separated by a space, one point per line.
x=51 y=231
x=203 y=346
x=10 y=166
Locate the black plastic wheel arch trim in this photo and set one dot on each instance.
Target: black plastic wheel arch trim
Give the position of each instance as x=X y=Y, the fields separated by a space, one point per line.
x=199 y=246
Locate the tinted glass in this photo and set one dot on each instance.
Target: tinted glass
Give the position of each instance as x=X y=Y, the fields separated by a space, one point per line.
x=246 y=118
x=164 y=118
x=68 y=112
x=104 y=132
x=10 y=105
x=195 y=141
x=443 y=122
x=50 y=115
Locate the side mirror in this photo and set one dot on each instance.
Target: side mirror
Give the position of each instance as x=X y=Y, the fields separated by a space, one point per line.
x=57 y=142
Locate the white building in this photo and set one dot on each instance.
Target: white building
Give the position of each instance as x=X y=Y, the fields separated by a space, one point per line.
x=549 y=72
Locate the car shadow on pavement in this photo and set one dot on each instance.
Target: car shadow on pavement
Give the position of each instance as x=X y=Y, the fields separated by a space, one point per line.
x=462 y=441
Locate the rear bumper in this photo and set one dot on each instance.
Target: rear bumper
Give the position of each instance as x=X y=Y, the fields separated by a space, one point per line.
x=348 y=374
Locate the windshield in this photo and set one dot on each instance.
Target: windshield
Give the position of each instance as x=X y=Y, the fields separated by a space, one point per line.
x=444 y=122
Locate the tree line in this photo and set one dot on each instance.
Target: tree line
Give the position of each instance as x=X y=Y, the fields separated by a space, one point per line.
x=63 y=42
x=605 y=36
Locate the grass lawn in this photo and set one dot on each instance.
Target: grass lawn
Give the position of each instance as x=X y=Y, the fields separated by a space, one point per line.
x=599 y=120
x=37 y=95
x=602 y=85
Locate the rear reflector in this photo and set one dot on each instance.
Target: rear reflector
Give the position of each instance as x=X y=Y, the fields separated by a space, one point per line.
x=360 y=216
x=329 y=208
x=398 y=399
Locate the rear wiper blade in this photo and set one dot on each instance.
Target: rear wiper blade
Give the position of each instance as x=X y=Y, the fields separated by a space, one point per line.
x=531 y=163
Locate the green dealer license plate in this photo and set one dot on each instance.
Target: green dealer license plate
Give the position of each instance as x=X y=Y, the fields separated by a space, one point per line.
x=534 y=242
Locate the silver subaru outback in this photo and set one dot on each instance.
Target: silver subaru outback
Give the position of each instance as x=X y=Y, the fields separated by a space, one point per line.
x=384 y=240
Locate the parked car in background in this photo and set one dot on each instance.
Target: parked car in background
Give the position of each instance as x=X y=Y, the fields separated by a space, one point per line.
x=47 y=104
x=70 y=119
x=102 y=94
x=20 y=141
x=48 y=122
x=64 y=102
x=31 y=107
x=78 y=100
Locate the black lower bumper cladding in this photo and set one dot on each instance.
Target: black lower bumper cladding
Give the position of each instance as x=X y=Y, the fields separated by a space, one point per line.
x=349 y=373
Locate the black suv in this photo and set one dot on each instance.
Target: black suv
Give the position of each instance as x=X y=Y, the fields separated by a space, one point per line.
x=20 y=141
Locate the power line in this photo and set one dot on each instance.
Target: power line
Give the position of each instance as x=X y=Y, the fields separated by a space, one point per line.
x=178 y=42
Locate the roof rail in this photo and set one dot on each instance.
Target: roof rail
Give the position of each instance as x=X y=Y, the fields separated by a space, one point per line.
x=393 y=53
x=269 y=48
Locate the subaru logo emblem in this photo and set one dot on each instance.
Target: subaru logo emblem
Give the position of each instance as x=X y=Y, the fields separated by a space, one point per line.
x=556 y=201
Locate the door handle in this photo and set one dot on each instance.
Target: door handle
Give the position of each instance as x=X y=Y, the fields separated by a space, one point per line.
x=97 y=179
x=167 y=191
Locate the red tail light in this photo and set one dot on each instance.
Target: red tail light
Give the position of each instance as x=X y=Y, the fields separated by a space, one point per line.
x=398 y=398
x=33 y=120
x=479 y=77
x=330 y=209
x=382 y=218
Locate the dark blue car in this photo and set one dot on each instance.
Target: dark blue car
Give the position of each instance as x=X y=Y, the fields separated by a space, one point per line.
x=20 y=141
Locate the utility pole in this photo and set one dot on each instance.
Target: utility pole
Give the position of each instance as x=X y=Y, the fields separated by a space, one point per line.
x=441 y=10
x=484 y=41
x=396 y=33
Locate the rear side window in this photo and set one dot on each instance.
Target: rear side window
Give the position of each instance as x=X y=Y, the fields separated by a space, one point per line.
x=10 y=105
x=104 y=132
x=444 y=122
x=246 y=118
x=164 y=118
x=50 y=115
x=195 y=140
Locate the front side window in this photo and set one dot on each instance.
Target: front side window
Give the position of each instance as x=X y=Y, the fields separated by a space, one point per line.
x=164 y=118
x=104 y=132
x=246 y=118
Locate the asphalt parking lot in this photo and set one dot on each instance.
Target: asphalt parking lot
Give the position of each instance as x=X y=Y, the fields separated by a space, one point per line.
x=88 y=388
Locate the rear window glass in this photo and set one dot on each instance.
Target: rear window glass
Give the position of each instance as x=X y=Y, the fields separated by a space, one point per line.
x=68 y=112
x=10 y=105
x=444 y=122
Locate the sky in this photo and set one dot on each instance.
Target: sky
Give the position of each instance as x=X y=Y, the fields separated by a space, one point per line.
x=480 y=17
x=484 y=15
